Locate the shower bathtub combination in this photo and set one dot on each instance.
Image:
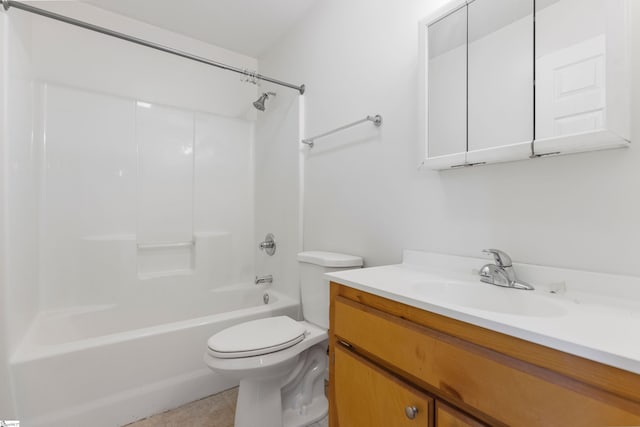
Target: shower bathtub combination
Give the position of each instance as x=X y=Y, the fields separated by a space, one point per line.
x=111 y=365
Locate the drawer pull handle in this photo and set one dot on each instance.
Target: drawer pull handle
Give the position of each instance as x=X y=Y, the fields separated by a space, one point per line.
x=411 y=412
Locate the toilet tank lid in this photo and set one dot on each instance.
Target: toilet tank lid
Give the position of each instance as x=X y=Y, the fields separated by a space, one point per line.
x=330 y=259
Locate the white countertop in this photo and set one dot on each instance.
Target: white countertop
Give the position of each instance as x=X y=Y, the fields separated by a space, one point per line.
x=593 y=315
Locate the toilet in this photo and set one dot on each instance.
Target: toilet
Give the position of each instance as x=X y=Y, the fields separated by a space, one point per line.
x=281 y=363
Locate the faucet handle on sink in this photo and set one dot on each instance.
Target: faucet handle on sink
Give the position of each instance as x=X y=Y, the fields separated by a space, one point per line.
x=494 y=275
x=502 y=259
x=501 y=273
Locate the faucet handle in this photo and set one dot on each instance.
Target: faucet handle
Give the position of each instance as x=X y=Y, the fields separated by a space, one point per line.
x=502 y=259
x=269 y=244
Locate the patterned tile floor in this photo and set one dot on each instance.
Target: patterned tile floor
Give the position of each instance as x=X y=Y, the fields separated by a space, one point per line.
x=213 y=411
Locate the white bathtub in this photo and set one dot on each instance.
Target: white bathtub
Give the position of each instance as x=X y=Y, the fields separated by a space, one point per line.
x=111 y=365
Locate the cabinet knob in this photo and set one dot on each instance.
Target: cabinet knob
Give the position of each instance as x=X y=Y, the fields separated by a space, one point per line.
x=411 y=412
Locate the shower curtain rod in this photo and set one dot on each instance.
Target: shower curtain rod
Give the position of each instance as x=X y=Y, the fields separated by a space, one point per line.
x=42 y=12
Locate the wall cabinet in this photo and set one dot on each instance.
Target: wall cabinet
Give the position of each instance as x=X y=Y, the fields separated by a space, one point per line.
x=516 y=79
x=386 y=356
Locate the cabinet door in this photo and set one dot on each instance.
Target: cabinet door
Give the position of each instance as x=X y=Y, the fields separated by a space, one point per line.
x=446 y=98
x=446 y=416
x=365 y=395
x=582 y=75
x=500 y=74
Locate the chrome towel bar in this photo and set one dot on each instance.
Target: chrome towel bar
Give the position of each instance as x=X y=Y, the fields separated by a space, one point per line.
x=377 y=121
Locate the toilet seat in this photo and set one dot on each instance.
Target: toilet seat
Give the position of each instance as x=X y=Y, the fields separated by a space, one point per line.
x=256 y=337
x=241 y=367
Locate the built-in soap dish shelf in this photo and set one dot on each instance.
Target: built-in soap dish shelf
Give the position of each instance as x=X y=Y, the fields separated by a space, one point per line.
x=162 y=259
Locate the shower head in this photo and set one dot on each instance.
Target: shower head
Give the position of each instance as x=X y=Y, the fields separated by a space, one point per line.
x=259 y=104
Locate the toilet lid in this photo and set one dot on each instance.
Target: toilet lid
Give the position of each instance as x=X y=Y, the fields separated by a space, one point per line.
x=256 y=337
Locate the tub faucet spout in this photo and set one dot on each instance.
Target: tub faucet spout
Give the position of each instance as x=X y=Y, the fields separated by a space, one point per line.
x=260 y=280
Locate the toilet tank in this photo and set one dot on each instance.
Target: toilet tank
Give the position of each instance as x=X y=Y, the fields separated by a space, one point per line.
x=314 y=287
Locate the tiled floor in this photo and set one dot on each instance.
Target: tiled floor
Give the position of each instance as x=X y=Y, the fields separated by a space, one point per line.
x=213 y=411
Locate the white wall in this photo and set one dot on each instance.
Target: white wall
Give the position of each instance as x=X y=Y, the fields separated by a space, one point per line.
x=365 y=196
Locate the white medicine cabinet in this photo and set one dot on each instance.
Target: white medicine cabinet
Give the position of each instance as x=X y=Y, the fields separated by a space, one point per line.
x=516 y=79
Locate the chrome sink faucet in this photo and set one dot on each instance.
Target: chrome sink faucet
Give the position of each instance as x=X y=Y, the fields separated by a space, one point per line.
x=502 y=273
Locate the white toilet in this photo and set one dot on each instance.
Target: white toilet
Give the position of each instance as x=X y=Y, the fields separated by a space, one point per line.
x=281 y=363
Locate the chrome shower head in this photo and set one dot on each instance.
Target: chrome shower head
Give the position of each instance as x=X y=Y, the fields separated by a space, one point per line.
x=259 y=104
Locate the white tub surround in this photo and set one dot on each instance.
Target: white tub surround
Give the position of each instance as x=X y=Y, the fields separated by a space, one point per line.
x=107 y=366
x=591 y=315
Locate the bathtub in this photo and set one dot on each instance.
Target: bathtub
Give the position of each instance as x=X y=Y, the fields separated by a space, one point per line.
x=111 y=365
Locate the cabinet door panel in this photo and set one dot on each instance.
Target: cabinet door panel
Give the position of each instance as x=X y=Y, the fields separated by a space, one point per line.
x=447 y=85
x=446 y=416
x=365 y=395
x=500 y=74
x=582 y=75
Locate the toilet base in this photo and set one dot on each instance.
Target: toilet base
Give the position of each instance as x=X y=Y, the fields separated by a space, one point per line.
x=293 y=400
x=312 y=413
x=259 y=403
x=267 y=408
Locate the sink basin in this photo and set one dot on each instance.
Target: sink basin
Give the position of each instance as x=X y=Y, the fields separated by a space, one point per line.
x=481 y=296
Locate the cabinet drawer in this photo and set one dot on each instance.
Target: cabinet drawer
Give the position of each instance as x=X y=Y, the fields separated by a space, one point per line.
x=369 y=396
x=468 y=375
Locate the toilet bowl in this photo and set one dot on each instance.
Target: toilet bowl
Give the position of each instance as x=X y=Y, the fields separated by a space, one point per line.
x=278 y=388
x=279 y=362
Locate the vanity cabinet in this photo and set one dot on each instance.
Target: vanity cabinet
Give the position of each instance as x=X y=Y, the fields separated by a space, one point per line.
x=385 y=356
x=516 y=79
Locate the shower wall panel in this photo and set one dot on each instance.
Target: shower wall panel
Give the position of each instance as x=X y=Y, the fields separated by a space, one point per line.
x=19 y=169
x=88 y=193
x=165 y=174
x=140 y=198
x=224 y=192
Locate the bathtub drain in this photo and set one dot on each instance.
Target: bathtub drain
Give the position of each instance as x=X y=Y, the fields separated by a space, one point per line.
x=265 y=298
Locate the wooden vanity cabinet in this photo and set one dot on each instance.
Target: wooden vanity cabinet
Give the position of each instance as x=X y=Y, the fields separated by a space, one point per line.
x=385 y=356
